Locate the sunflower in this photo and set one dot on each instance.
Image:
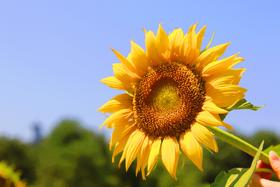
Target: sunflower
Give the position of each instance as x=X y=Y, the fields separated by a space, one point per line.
x=173 y=90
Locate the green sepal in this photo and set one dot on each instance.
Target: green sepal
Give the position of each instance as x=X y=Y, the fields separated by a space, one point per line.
x=243 y=104
x=238 y=177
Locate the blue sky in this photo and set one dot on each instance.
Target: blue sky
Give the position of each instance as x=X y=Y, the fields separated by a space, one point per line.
x=53 y=54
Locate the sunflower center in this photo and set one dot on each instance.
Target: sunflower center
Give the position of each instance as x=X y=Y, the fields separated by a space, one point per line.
x=164 y=97
x=167 y=100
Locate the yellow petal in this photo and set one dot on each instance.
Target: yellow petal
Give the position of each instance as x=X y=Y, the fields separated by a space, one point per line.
x=121 y=131
x=117 y=116
x=175 y=41
x=153 y=157
x=189 y=49
x=200 y=36
x=192 y=149
x=133 y=147
x=119 y=122
x=162 y=40
x=226 y=89
x=139 y=58
x=125 y=75
x=211 y=55
x=175 y=37
x=210 y=41
x=192 y=37
x=120 y=146
x=221 y=65
x=113 y=82
x=142 y=158
x=170 y=155
x=139 y=157
x=151 y=48
x=210 y=106
x=118 y=102
x=229 y=76
x=124 y=60
x=208 y=119
x=225 y=95
x=204 y=136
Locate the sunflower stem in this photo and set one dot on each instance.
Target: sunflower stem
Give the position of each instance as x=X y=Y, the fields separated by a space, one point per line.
x=238 y=143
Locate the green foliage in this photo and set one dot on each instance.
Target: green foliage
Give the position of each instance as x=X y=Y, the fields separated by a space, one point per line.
x=238 y=177
x=8 y=173
x=269 y=138
x=68 y=149
x=20 y=156
x=72 y=156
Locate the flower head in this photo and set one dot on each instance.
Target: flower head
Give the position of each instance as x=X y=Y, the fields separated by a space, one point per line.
x=173 y=90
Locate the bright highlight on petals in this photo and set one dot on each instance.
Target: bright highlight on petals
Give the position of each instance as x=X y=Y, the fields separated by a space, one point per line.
x=9 y=177
x=174 y=89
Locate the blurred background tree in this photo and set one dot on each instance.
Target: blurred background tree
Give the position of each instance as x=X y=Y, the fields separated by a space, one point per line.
x=72 y=156
x=20 y=156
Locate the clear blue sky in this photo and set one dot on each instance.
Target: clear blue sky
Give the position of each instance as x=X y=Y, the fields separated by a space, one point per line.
x=53 y=54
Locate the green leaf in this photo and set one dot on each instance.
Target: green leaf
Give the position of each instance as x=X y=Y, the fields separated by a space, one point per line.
x=246 y=177
x=244 y=104
x=275 y=148
x=227 y=179
x=238 y=177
